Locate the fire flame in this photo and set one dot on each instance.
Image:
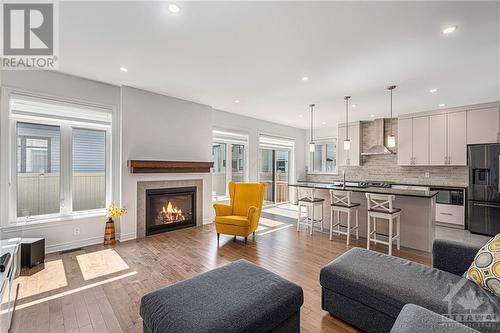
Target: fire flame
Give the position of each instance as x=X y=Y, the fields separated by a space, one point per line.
x=171 y=213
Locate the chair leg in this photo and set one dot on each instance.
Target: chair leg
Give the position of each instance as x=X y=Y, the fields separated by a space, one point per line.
x=298 y=219
x=390 y=236
x=253 y=236
x=312 y=219
x=368 y=232
x=357 y=225
x=321 y=217
x=331 y=223
x=338 y=223
x=246 y=240
x=398 y=242
x=348 y=226
x=218 y=237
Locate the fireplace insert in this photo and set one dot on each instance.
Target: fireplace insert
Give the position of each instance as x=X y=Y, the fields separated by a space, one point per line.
x=170 y=209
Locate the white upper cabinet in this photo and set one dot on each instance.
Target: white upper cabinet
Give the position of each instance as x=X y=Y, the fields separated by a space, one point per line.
x=483 y=125
x=438 y=140
x=405 y=138
x=457 y=138
x=420 y=141
x=447 y=139
x=349 y=157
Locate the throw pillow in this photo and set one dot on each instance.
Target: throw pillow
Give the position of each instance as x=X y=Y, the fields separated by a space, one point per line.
x=485 y=269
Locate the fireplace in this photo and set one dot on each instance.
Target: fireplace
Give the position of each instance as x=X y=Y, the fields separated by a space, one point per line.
x=170 y=209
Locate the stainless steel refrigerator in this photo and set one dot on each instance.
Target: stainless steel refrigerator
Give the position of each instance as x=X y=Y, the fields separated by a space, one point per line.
x=483 y=207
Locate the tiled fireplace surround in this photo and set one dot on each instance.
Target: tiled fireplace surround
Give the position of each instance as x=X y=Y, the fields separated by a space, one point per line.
x=142 y=186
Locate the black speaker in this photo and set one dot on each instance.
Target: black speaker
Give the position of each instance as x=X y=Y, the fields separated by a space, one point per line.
x=32 y=251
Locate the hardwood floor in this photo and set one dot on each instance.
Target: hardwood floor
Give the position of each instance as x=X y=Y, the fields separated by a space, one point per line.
x=110 y=301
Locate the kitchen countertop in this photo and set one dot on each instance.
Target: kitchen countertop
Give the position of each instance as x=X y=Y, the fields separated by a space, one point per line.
x=392 y=183
x=376 y=190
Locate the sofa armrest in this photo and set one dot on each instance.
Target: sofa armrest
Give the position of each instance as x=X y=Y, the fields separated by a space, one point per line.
x=223 y=210
x=453 y=257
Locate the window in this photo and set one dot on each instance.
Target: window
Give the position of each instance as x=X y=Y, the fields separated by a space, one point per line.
x=229 y=154
x=38 y=178
x=61 y=160
x=324 y=158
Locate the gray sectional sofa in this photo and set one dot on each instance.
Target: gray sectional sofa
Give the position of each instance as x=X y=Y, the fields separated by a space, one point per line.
x=369 y=289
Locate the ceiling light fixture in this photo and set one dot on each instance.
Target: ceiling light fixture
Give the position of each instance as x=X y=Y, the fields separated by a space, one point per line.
x=450 y=29
x=442 y=105
x=305 y=78
x=311 y=143
x=391 y=139
x=353 y=106
x=372 y=115
x=347 y=142
x=236 y=101
x=300 y=116
x=124 y=69
x=433 y=90
x=323 y=123
x=173 y=8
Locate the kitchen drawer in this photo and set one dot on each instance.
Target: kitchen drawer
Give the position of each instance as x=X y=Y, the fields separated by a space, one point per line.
x=450 y=214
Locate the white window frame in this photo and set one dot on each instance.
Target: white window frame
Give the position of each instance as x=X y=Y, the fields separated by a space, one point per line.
x=323 y=143
x=66 y=169
x=224 y=136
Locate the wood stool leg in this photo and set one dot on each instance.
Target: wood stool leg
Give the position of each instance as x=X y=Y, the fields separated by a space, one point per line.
x=348 y=225
x=368 y=232
x=390 y=236
x=357 y=225
x=312 y=219
x=321 y=217
x=298 y=219
x=338 y=223
x=398 y=241
x=332 y=212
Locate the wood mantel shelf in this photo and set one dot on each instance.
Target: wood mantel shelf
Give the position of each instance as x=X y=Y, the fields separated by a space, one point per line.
x=145 y=166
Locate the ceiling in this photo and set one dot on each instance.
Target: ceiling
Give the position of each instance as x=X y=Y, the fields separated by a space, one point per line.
x=257 y=52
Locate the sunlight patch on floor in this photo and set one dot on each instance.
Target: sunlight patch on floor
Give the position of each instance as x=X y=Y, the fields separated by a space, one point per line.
x=51 y=277
x=276 y=229
x=270 y=223
x=260 y=228
x=100 y=263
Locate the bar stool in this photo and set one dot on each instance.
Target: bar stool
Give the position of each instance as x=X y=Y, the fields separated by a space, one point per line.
x=380 y=207
x=310 y=203
x=340 y=202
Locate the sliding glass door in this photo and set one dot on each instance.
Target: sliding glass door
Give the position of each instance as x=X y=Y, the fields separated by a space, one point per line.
x=229 y=165
x=274 y=172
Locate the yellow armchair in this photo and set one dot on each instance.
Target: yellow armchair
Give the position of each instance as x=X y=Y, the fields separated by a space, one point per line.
x=241 y=216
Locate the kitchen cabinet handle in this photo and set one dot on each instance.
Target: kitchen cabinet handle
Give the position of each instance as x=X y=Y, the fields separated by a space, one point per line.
x=486 y=205
x=450 y=214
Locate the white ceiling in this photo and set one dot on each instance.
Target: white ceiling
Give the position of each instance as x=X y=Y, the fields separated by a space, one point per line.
x=216 y=52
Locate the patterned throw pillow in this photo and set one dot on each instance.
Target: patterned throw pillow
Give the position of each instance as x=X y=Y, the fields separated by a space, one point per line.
x=485 y=270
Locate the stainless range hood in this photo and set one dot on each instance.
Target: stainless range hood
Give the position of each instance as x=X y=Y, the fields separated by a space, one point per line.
x=378 y=148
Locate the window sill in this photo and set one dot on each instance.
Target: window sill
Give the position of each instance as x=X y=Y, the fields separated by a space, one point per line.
x=61 y=218
x=323 y=173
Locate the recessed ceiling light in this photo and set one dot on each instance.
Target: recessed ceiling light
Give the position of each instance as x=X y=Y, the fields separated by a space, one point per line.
x=450 y=29
x=324 y=123
x=300 y=116
x=442 y=105
x=372 y=115
x=354 y=105
x=305 y=78
x=124 y=69
x=236 y=101
x=433 y=90
x=173 y=8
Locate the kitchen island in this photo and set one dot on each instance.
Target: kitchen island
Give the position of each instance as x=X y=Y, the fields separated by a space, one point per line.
x=417 y=211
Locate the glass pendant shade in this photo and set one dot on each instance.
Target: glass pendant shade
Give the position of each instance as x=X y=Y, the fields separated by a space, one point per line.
x=391 y=141
x=347 y=144
x=311 y=147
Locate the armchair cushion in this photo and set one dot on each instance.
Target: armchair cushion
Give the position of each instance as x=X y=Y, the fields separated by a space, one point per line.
x=241 y=221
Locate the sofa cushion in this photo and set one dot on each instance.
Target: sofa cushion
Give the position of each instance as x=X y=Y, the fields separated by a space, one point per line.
x=387 y=283
x=485 y=269
x=238 y=297
x=240 y=221
x=414 y=318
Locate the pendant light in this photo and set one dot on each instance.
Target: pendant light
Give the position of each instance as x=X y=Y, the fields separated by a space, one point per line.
x=391 y=139
x=347 y=141
x=311 y=143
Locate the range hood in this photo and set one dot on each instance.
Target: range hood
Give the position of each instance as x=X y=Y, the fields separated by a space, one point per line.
x=378 y=148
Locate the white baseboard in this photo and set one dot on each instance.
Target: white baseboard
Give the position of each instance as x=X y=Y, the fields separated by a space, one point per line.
x=73 y=244
x=127 y=236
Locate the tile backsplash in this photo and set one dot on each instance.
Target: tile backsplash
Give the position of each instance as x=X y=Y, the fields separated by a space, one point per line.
x=386 y=168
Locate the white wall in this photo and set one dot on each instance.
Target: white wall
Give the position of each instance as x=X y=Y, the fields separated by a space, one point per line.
x=254 y=127
x=158 y=127
x=59 y=235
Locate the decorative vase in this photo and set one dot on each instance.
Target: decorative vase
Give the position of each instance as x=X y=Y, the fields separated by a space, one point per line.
x=109 y=232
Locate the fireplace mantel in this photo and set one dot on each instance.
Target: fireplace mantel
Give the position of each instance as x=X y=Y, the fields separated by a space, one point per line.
x=145 y=166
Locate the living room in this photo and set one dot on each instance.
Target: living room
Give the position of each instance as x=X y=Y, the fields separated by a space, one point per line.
x=182 y=155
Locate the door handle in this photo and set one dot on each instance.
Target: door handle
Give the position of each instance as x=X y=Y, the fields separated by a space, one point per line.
x=486 y=205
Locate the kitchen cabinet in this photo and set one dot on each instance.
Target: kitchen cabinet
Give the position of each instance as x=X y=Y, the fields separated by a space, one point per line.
x=483 y=125
x=447 y=139
x=349 y=157
x=413 y=138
